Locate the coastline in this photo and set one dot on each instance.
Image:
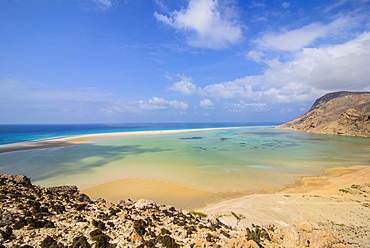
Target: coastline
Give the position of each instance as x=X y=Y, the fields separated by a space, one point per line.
x=220 y=203
x=88 y=138
x=161 y=192
x=339 y=201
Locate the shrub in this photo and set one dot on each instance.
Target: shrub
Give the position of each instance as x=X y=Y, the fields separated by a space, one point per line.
x=59 y=209
x=200 y=214
x=99 y=237
x=80 y=242
x=49 y=242
x=139 y=226
x=98 y=224
x=7 y=233
x=80 y=207
x=19 y=224
x=167 y=241
x=148 y=244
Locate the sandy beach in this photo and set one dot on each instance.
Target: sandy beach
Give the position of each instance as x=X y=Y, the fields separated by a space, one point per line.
x=88 y=138
x=158 y=191
x=339 y=200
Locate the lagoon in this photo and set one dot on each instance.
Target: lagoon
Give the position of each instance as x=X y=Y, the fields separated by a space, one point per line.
x=223 y=162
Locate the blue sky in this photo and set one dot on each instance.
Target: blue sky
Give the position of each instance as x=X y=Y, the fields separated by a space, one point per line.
x=104 y=61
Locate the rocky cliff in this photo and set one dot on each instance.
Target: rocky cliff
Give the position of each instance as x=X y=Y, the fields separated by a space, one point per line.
x=33 y=216
x=345 y=113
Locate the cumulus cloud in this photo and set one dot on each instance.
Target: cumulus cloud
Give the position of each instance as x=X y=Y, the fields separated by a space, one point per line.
x=206 y=23
x=160 y=103
x=156 y=103
x=309 y=74
x=185 y=86
x=294 y=40
x=207 y=104
x=338 y=67
x=37 y=96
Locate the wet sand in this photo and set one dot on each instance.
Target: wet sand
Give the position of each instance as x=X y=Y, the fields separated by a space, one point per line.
x=158 y=191
x=330 y=199
x=88 y=138
x=339 y=201
x=271 y=206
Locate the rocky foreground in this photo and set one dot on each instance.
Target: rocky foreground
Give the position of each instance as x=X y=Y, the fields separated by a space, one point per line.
x=33 y=216
x=345 y=113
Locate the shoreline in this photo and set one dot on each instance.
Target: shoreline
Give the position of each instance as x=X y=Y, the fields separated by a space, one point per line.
x=202 y=200
x=89 y=138
x=317 y=198
x=338 y=201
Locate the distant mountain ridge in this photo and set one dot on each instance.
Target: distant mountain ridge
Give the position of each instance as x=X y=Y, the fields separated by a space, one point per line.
x=343 y=112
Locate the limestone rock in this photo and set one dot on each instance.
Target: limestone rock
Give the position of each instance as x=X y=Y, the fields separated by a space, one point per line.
x=145 y=204
x=345 y=113
x=304 y=234
x=33 y=216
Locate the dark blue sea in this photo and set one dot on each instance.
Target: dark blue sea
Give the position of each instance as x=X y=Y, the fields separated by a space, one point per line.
x=26 y=132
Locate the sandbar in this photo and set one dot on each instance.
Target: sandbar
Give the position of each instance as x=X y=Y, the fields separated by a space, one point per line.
x=88 y=138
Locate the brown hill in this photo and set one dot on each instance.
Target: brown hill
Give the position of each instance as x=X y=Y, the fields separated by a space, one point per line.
x=345 y=113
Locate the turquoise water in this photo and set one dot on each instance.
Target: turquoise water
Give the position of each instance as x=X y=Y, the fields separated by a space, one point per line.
x=15 y=133
x=249 y=158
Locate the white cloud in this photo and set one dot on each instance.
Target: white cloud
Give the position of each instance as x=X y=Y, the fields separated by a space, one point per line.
x=255 y=56
x=185 y=86
x=296 y=39
x=206 y=23
x=104 y=4
x=338 y=67
x=37 y=96
x=256 y=5
x=309 y=74
x=247 y=107
x=161 y=103
x=227 y=90
x=156 y=103
x=207 y=104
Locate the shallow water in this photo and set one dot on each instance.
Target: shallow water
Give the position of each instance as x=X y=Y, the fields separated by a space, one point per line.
x=244 y=159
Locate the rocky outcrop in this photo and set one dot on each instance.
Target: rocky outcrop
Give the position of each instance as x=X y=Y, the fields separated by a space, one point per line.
x=345 y=113
x=33 y=216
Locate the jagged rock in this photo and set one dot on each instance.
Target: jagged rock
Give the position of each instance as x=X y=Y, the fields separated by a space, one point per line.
x=145 y=204
x=304 y=234
x=345 y=113
x=19 y=180
x=136 y=237
x=34 y=216
x=242 y=243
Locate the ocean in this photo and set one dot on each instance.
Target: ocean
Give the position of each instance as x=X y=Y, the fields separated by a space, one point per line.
x=15 y=133
x=250 y=158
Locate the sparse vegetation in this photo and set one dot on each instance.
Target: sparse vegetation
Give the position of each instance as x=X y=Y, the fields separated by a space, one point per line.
x=200 y=214
x=128 y=224
x=99 y=237
x=238 y=217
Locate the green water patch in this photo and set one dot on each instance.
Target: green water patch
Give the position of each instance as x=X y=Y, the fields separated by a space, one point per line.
x=213 y=160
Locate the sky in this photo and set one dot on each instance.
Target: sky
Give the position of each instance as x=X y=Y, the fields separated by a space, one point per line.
x=130 y=61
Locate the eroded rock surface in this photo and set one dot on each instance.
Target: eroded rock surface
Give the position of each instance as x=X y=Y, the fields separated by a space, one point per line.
x=33 y=216
x=345 y=113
